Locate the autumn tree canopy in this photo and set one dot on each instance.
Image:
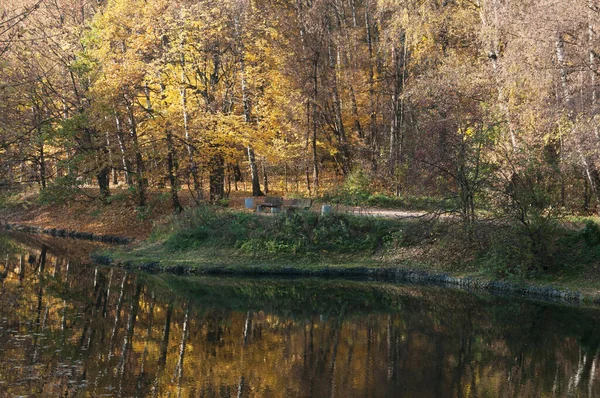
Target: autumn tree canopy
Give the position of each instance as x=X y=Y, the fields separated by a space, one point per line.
x=485 y=101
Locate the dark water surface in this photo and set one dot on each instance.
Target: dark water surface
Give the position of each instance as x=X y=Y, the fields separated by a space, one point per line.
x=69 y=328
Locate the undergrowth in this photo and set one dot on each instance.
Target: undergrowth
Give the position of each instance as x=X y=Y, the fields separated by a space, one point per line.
x=358 y=190
x=368 y=199
x=9 y=199
x=565 y=251
x=496 y=249
x=295 y=233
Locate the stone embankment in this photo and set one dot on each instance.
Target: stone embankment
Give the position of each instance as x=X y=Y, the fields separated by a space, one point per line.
x=388 y=274
x=63 y=233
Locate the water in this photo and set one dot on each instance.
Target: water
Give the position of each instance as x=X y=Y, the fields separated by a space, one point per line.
x=69 y=328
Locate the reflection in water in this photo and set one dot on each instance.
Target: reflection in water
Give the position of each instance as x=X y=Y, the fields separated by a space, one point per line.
x=68 y=329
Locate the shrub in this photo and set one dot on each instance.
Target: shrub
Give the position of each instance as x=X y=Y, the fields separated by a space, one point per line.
x=591 y=233
x=510 y=254
x=350 y=195
x=8 y=199
x=299 y=232
x=62 y=189
x=357 y=185
x=524 y=249
x=354 y=192
x=202 y=224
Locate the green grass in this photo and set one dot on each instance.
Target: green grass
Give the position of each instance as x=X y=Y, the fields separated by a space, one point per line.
x=406 y=202
x=215 y=238
x=209 y=237
x=299 y=233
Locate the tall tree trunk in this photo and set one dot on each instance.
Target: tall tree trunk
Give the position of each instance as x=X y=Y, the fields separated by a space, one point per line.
x=42 y=165
x=217 y=177
x=172 y=170
x=139 y=163
x=337 y=105
x=103 y=175
x=372 y=99
x=265 y=177
x=113 y=170
x=247 y=108
x=307 y=146
x=41 y=158
x=256 y=191
x=124 y=159
x=237 y=175
x=592 y=55
x=192 y=165
x=397 y=105
x=590 y=170
x=172 y=165
x=315 y=110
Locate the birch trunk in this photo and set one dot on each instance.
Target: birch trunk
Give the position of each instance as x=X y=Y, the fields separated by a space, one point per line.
x=315 y=111
x=590 y=170
x=124 y=160
x=372 y=100
x=139 y=163
x=337 y=105
x=171 y=159
x=256 y=191
x=192 y=166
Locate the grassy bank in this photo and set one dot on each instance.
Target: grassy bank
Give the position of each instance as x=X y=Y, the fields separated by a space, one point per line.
x=206 y=236
x=566 y=255
x=545 y=251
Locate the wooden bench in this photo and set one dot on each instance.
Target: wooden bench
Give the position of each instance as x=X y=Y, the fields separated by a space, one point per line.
x=274 y=202
x=298 y=204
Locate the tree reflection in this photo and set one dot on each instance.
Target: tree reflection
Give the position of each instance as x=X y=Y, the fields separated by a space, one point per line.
x=74 y=329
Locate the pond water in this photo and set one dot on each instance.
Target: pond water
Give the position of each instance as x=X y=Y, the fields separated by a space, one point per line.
x=70 y=328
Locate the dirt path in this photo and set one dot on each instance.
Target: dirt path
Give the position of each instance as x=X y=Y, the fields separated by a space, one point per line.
x=387 y=213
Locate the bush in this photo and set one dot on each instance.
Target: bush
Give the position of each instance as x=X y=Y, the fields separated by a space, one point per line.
x=356 y=191
x=357 y=185
x=8 y=199
x=591 y=233
x=510 y=254
x=196 y=226
x=523 y=250
x=299 y=232
x=527 y=199
x=61 y=190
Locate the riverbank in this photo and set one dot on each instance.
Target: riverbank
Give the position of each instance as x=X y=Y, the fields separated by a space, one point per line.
x=386 y=274
x=574 y=290
x=64 y=233
x=123 y=218
x=218 y=242
x=85 y=214
x=225 y=241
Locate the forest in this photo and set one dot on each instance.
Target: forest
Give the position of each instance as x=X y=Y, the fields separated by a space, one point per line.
x=487 y=108
x=491 y=103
